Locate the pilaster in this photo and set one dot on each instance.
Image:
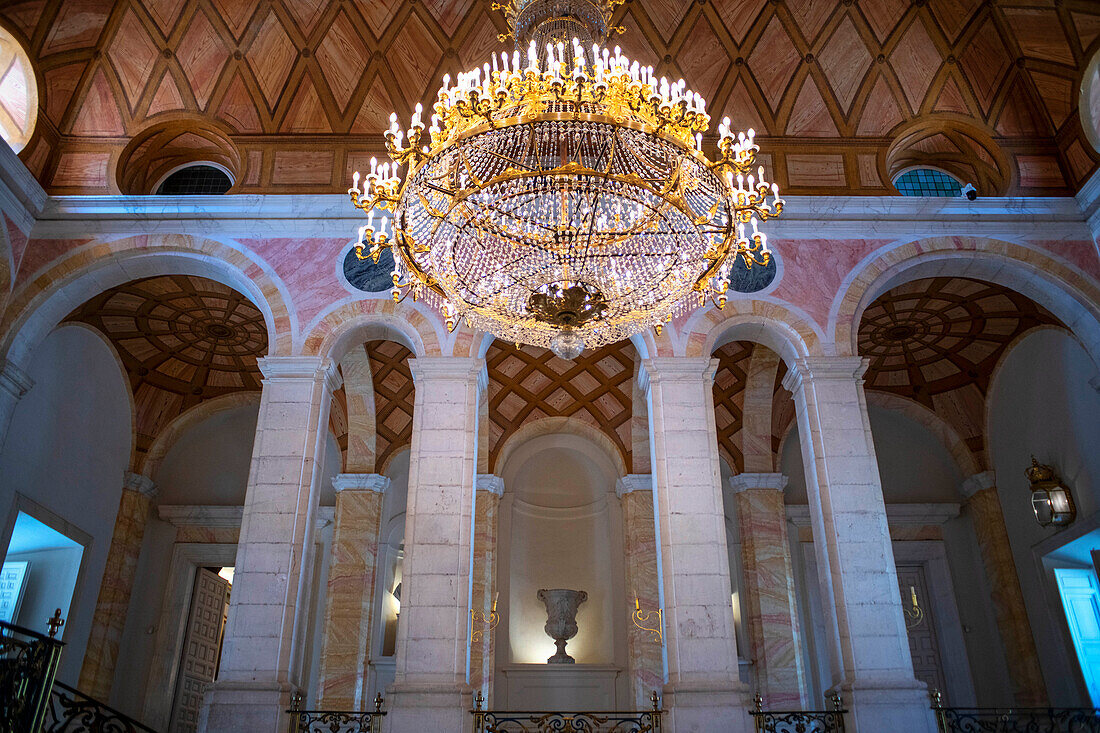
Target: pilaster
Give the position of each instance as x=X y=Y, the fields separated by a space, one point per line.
x=701 y=649
x=431 y=690
x=646 y=653
x=490 y=488
x=349 y=607
x=770 y=606
x=262 y=655
x=868 y=648
x=101 y=655
x=1021 y=655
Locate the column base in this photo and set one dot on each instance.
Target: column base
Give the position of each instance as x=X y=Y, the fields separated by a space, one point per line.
x=232 y=707
x=428 y=708
x=697 y=708
x=880 y=705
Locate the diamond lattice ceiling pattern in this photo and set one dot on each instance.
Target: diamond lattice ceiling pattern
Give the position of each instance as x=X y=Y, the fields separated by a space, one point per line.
x=393 y=397
x=530 y=383
x=302 y=88
x=182 y=340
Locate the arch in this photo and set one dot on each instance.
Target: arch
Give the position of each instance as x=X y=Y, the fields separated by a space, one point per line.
x=1088 y=103
x=189 y=419
x=771 y=324
x=968 y=463
x=477 y=343
x=54 y=292
x=18 y=92
x=411 y=326
x=1060 y=288
x=566 y=426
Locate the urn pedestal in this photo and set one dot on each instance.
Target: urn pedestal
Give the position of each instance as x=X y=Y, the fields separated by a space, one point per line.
x=561 y=619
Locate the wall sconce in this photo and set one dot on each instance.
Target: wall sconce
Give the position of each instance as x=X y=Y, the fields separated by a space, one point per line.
x=1050 y=500
x=644 y=620
x=478 y=617
x=914 y=614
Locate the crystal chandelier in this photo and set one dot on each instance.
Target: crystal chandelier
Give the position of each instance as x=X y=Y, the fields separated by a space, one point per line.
x=560 y=195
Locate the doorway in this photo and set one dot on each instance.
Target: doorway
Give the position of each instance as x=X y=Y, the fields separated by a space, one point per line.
x=1078 y=588
x=39 y=575
x=202 y=648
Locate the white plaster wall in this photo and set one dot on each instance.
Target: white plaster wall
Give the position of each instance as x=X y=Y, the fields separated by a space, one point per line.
x=209 y=463
x=66 y=449
x=563 y=531
x=1042 y=403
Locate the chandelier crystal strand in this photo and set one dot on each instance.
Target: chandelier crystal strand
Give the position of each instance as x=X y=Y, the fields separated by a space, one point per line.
x=560 y=196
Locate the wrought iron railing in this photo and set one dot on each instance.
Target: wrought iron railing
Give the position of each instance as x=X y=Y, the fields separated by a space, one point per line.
x=1015 y=720
x=71 y=711
x=798 y=721
x=336 y=721
x=28 y=663
x=529 y=721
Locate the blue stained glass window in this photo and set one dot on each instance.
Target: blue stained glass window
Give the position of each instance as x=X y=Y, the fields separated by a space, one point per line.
x=927 y=182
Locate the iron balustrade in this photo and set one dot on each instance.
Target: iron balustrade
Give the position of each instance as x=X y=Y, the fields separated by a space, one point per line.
x=28 y=664
x=336 y=721
x=71 y=711
x=798 y=721
x=1014 y=720
x=529 y=721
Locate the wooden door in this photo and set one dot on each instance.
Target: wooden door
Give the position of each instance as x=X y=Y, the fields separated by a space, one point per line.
x=924 y=643
x=201 y=647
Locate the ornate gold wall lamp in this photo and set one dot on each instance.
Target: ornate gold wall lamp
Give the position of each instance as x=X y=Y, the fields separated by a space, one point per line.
x=480 y=623
x=652 y=622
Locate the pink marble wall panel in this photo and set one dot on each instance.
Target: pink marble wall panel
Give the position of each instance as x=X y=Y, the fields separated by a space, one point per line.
x=308 y=267
x=640 y=547
x=484 y=592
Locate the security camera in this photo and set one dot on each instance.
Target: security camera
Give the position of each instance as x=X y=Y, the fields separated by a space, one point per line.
x=970 y=191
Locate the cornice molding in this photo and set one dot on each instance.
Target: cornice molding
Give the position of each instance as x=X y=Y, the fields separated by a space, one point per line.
x=812 y=368
x=22 y=198
x=139 y=483
x=490 y=483
x=14 y=380
x=632 y=482
x=897 y=515
x=745 y=481
x=300 y=367
x=978 y=482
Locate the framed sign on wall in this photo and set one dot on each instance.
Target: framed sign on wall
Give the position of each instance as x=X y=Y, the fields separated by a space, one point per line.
x=13 y=581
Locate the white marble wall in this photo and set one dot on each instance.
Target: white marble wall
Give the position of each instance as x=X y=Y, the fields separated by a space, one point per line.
x=868 y=648
x=431 y=690
x=261 y=665
x=703 y=691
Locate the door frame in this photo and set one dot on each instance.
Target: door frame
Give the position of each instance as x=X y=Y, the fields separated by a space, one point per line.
x=187 y=558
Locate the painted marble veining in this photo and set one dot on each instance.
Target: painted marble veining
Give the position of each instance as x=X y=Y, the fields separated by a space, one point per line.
x=640 y=550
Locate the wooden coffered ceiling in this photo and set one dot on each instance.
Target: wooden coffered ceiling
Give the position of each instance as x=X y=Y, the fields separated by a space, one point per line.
x=182 y=340
x=302 y=88
x=937 y=341
x=529 y=383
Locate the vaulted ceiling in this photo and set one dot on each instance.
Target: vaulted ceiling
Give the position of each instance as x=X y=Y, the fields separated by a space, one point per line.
x=302 y=88
x=182 y=340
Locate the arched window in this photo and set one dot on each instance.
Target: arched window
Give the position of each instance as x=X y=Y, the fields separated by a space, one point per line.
x=18 y=93
x=200 y=179
x=927 y=182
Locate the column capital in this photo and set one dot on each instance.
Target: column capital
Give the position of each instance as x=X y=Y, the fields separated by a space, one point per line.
x=300 y=367
x=744 y=481
x=14 y=380
x=978 y=482
x=490 y=483
x=136 y=482
x=425 y=368
x=811 y=368
x=632 y=482
x=677 y=368
x=375 y=482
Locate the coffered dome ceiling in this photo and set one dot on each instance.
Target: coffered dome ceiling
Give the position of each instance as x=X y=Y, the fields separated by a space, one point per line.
x=182 y=340
x=302 y=88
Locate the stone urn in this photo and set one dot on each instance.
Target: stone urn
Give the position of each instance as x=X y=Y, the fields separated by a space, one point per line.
x=561 y=619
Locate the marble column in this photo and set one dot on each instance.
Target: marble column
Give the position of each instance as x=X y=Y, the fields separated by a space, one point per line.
x=645 y=650
x=431 y=690
x=482 y=640
x=98 y=670
x=349 y=606
x=1021 y=656
x=703 y=685
x=769 y=602
x=262 y=655
x=14 y=383
x=865 y=630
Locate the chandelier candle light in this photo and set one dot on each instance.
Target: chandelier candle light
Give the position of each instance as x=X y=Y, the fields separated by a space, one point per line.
x=559 y=196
